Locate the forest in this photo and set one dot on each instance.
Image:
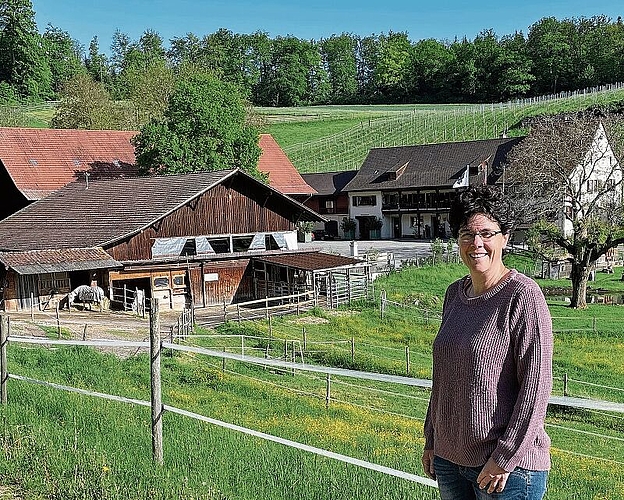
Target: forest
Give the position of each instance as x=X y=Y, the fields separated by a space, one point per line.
x=553 y=56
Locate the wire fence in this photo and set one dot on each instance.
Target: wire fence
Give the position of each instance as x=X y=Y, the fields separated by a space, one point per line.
x=332 y=377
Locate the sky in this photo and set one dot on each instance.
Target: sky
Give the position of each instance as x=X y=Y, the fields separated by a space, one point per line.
x=311 y=19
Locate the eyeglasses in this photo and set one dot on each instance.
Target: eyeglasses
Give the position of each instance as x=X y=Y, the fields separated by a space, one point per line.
x=468 y=236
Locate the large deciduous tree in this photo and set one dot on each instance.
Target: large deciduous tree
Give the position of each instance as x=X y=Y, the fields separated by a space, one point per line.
x=85 y=104
x=64 y=55
x=204 y=127
x=23 y=61
x=567 y=179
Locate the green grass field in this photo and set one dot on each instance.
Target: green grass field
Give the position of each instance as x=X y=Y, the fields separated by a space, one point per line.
x=60 y=445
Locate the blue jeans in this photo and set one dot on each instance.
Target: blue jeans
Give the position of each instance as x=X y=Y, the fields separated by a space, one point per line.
x=460 y=483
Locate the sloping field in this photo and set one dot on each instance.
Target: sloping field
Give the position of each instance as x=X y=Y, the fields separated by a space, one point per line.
x=300 y=130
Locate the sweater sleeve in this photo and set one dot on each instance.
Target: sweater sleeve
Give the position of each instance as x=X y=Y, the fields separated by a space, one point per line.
x=531 y=336
x=428 y=426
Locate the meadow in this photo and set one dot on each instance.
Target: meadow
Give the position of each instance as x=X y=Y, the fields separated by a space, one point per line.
x=60 y=445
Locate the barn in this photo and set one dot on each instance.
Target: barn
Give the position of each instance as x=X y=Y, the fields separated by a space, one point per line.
x=189 y=239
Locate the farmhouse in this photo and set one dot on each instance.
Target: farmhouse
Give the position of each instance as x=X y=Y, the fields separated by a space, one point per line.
x=200 y=239
x=330 y=200
x=407 y=190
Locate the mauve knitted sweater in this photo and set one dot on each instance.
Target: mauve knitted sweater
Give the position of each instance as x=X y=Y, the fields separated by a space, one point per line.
x=492 y=376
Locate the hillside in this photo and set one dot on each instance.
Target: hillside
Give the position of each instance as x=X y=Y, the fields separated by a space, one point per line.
x=335 y=138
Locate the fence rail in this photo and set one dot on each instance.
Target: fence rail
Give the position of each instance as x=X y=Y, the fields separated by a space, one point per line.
x=156 y=345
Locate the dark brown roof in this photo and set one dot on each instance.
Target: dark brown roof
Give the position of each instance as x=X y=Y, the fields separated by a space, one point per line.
x=283 y=175
x=43 y=160
x=110 y=211
x=431 y=165
x=310 y=261
x=51 y=261
x=329 y=183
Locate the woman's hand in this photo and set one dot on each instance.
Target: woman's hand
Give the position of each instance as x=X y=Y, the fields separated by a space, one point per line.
x=427 y=461
x=492 y=477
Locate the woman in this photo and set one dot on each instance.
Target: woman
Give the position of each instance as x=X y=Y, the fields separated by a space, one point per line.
x=492 y=374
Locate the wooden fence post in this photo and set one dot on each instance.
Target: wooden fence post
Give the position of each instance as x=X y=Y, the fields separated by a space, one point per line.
x=565 y=384
x=156 y=394
x=238 y=313
x=407 y=360
x=352 y=349
x=305 y=339
x=84 y=332
x=327 y=390
x=32 y=306
x=266 y=306
x=58 y=321
x=4 y=372
x=382 y=303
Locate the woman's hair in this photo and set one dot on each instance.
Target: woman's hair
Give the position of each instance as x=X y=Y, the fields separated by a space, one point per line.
x=485 y=200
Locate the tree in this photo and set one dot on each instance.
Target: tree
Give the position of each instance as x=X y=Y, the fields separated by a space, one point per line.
x=85 y=104
x=392 y=70
x=22 y=58
x=339 y=55
x=64 y=55
x=97 y=63
x=568 y=182
x=204 y=128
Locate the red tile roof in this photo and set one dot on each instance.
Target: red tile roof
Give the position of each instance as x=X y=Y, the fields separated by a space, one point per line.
x=283 y=175
x=43 y=160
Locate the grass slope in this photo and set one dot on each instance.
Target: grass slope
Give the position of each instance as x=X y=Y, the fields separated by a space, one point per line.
x=336 y=138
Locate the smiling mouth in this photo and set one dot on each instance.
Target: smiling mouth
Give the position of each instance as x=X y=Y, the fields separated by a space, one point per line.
x=477 y=255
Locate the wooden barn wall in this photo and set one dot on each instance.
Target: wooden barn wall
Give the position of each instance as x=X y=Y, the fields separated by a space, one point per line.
x=223 y=281
x=219 y=211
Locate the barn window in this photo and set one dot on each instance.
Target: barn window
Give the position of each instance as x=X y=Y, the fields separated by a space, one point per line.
x=178 y=280
x=220 y=245
x=189 y=248
x=161 y=282
x=241 y=243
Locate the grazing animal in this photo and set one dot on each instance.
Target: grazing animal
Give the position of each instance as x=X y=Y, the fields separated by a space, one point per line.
x=86 y=295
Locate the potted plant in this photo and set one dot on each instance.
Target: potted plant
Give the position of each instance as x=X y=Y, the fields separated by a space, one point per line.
x=304 y=231
x=348 y=226
x=375 y=228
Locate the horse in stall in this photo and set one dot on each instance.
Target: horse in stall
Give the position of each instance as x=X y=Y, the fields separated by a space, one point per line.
x=86 y=295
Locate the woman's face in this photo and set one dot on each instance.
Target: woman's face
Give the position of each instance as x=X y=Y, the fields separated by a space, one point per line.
x=482 y=254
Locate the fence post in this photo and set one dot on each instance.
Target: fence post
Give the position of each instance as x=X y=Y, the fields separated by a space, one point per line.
x=58 y=321
x=156 y=394
x=352 y=349
x=125 y=297
x=305 y=339
x=242 y=346
x=270 y=328
x=327 y=390
x=565 y=384
x=407 y=360
x=594 y=324
x=266 y=306
x=32 y=306
x=238 y=313
x=382 y=303
x=223 y=362
x=84 y=332
x=4 y=372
